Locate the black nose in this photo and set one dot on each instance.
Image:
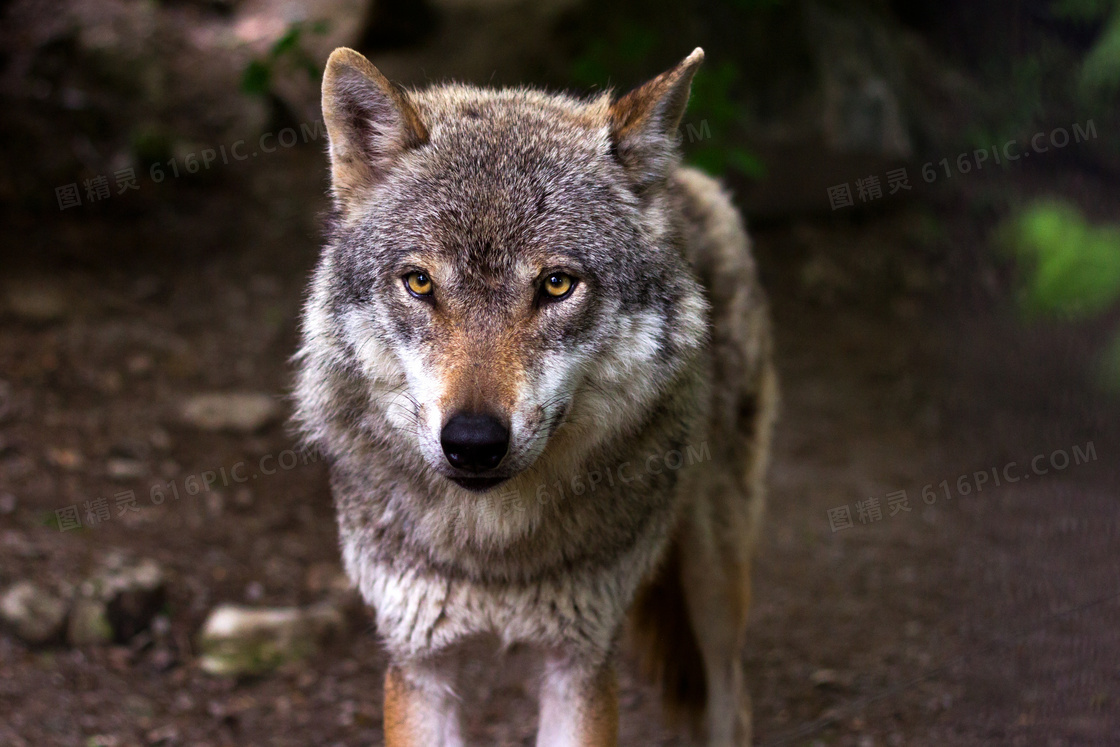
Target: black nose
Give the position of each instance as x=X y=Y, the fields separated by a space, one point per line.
x=474 y=443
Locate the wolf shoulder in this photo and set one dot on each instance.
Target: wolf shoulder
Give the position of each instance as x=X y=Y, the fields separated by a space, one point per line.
x=715 y=238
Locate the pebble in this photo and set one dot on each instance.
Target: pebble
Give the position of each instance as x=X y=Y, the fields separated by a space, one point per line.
x=117 y=602
x=32 y=612
x=123 y=470
x=238 y=412
x=239 y=641
x=36 y=300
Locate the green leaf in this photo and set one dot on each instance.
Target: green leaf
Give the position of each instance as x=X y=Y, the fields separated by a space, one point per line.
x=1072 y=268
x=746 y=163
x=288 y=42
x=257 y=78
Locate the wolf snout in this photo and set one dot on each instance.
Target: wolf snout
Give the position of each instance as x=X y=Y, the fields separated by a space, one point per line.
x=473 y=442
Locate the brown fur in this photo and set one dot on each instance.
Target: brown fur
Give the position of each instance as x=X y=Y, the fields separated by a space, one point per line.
x=399 y=714
x=600 y=722
x=665 y=643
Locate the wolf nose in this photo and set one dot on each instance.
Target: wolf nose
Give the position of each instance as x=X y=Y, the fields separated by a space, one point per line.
x=474 y=443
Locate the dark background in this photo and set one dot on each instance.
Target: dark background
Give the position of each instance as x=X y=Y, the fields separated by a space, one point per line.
x=924 y=334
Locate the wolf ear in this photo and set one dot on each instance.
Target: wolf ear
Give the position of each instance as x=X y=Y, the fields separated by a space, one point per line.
x=644 y=122
x=370 y=122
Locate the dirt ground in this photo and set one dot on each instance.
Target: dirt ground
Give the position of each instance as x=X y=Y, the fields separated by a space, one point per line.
x=990 y=617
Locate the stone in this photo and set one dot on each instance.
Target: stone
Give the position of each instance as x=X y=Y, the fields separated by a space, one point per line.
x=36 y=301
x=32 y=612
x=89 y=623
x=239 y=641
x=238 y=412
x=124 y=470
x=125 y=594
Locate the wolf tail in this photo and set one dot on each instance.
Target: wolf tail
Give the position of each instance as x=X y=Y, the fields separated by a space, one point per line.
x=666 y=643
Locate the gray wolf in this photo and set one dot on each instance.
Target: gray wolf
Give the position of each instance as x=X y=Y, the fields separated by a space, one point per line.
x=537 y=357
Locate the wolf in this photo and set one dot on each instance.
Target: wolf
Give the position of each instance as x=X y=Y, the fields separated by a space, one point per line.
x=537 y=357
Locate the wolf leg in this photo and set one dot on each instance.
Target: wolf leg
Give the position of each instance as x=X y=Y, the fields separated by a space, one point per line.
x=715 y=575
x=578 y=705
x=421 y=709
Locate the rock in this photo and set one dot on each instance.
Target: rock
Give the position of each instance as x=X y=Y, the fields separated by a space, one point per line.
x=828 y=679
x=125 y=596
x=33 y=613
x=89 y=623
x=36 y=300
x=238 y=641
x=123 y=470
x=239 y=412
x=8 y=504
x=67 y=459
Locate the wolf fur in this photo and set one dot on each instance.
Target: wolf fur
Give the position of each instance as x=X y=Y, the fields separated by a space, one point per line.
x=639 y=408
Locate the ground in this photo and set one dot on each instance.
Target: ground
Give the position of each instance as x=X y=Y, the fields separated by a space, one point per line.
x=978 y=618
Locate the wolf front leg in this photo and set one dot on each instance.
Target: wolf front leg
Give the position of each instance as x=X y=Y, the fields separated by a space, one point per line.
x=579 y=705
x=421 y=709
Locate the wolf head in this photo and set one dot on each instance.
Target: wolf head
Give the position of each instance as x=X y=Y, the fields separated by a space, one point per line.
x=504 y=263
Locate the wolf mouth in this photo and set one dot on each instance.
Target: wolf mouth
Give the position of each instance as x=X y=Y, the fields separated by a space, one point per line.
x=478 y=484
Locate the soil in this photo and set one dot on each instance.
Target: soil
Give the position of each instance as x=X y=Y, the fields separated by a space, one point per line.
x=971 y=619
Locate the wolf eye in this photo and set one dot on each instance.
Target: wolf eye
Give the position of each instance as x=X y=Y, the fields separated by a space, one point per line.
x=558 y=285
x=419 y=284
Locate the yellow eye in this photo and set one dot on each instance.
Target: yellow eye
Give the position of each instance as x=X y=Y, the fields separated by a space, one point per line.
x=558 y=285
x=418 y=283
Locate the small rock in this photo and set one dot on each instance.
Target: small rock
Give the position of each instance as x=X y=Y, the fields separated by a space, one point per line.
x=826 y=678
x=254 y=591
x=36 y=301
x=89 y=623
x=123 y=470
x=237 y=641
x=67 y=459
x=126 y=595
x=163 y=735
x=243 y=498
x=32 y=612
x=239 y=412
x=161 y=626
x=8 y=504
x=160 y=439
x=139 y=364
x=215 y=504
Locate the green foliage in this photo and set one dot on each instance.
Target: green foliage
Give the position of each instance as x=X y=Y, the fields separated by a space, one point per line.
x=256 y=80
x=1072 y=267
x=1100 y=70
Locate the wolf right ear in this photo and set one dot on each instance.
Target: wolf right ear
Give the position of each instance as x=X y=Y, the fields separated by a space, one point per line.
x=644 y=122
x=370 y=122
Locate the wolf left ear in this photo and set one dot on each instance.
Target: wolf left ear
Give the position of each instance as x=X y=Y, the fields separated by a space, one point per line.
x=644 y=122
x=370 y=122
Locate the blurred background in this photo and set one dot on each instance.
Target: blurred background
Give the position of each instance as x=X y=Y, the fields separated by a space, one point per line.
x=932 y=188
